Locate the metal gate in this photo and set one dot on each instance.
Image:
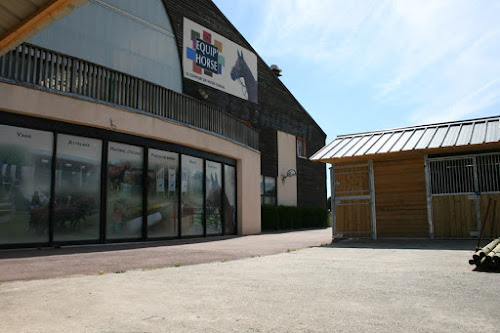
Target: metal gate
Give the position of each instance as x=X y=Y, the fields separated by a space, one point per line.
x=465 y=195
x=353 y=201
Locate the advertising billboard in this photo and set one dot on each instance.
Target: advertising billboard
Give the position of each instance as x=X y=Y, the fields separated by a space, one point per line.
x=217 y=62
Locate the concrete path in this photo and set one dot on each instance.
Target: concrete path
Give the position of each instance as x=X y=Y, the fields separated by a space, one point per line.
x=350 y=286
x=45 y=263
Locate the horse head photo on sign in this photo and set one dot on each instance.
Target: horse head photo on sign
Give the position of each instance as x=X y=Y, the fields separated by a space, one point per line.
x=241 y=70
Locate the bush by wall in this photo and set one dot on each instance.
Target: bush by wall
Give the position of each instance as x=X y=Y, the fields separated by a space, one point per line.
x=287 y=217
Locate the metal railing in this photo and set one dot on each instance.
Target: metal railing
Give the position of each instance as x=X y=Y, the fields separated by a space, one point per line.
x=31 y=65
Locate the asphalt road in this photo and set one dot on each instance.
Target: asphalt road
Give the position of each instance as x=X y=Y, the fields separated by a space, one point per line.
x=350 y=286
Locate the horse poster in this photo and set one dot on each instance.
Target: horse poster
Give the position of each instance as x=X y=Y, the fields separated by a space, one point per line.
x=217 y=62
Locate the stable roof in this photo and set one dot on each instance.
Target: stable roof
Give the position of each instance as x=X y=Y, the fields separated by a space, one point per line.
x=414 y=138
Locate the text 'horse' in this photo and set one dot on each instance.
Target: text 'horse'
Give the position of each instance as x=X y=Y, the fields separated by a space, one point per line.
x=241 y=69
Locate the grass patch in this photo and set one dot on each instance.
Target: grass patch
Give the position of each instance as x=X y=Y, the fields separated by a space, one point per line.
x=177 y=265
x=120 y=272
x=145 y=269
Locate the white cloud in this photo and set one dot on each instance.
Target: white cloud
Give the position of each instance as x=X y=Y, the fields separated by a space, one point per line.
x=436 y=58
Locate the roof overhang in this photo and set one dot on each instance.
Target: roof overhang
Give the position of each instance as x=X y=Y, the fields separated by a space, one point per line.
x=22 y=19
x=443 y=138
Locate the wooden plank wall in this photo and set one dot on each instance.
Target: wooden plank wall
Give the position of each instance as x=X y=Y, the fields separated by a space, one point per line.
x=454 y=216
x=353 y=215
x=354 y=219
x=492 y=223
x=400 y=198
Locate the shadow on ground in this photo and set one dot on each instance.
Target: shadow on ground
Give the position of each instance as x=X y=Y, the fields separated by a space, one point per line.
x=410 y=244
x=97 y=248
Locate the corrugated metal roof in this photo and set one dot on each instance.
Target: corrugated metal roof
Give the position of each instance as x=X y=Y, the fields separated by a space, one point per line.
x=458 y=133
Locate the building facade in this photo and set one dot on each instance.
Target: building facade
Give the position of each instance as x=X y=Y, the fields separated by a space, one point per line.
x=127 y=121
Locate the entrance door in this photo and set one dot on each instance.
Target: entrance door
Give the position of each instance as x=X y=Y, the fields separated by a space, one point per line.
x=353 y=201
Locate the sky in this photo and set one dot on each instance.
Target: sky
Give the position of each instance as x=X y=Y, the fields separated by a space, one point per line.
x=363 y=65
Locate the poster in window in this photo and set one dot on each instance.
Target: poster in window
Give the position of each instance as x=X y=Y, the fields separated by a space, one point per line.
x=124 y=191
x=78 y=188
x=213 y=196
x=25 y=182
x=162 y=204
x=192 y=196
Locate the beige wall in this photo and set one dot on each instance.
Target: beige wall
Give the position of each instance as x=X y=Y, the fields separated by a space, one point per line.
x=33 y=102
x=287 y=159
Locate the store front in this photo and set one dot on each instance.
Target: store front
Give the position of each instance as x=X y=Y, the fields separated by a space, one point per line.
x=60 y=185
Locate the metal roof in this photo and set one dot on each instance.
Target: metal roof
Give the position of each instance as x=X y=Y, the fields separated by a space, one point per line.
x=451 y=134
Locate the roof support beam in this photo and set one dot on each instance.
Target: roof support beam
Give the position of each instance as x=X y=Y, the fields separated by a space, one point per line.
x=15 y=36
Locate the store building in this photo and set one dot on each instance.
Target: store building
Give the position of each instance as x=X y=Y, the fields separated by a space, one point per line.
x=432 y=181
x=133 y=121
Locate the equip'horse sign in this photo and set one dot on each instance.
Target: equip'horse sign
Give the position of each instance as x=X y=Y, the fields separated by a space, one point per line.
x=217 y=62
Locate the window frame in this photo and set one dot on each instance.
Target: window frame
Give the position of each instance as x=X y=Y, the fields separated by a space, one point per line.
x=301 y=147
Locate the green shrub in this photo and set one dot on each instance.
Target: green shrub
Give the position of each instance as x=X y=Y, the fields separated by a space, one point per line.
x=288 y=217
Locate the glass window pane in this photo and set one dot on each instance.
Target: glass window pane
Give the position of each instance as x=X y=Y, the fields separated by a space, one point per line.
x=25 y=181
x=270 y=201
x=270 y=186
x=163 y=193
x=214 y=198
x=124 y=186
x=192 y=196
x=78 y=188
x=229 y=200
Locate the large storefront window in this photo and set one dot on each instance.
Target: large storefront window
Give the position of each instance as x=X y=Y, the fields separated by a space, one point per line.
x=57 y=188
x=78 y=188
x=25 y=167
x=229 y=200
x=124 y=191
x=163 y=192
x=192 y=196
x=213 y=207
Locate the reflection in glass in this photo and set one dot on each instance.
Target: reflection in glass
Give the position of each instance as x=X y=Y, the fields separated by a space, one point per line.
x=78 y=188
x=25 y=179
x=269 y=191
x=124 y=187
x=163 y=192
x=192 y=196
x=229 y=200
x=213 y=198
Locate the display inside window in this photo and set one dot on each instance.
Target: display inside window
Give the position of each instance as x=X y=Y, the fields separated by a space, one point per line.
x=213 y=205
x=78 y=188
x=229 y=200
x=192 y=196
x=25 y=181
x=124 y=191
x=163 y=193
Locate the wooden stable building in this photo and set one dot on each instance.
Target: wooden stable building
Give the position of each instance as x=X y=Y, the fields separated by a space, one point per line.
x=431 y=181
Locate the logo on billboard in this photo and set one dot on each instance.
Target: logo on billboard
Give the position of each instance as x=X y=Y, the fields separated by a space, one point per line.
x=205 y=55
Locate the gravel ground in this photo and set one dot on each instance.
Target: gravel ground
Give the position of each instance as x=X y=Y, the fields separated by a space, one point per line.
x=350 y=286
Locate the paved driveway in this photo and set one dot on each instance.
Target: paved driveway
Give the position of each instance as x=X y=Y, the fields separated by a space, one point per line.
x=350 y=286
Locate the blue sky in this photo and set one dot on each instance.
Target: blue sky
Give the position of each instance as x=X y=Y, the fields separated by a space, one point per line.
x=367 y=65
